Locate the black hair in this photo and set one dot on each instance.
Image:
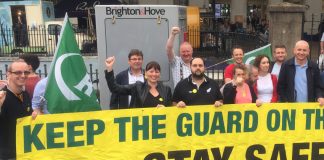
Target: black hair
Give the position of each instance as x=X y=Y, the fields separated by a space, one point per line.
x=31 y=59
x=135 y=52
x=153 y=65
x=197 y=58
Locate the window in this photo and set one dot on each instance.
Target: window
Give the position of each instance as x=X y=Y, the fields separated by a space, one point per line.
x=54 y=29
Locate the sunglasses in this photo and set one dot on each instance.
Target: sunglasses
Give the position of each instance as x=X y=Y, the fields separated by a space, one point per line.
x=19 y=73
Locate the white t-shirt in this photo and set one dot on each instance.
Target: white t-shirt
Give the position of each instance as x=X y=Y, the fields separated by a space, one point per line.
x=322 y=39
x=265 y=88
x=132 y=79
x=276 y=70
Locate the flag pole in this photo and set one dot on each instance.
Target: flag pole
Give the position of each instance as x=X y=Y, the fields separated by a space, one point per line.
x=246 y=54
x=218 y=63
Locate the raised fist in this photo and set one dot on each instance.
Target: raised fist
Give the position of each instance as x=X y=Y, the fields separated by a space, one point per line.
x=175 y=30
x=239 y=80
x=109 y=63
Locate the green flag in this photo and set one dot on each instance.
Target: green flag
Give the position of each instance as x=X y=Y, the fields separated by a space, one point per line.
x=250 y=56
x=69 y=88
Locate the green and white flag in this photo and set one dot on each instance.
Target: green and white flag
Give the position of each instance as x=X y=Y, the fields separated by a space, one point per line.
x=69 y=88
x=250 y=56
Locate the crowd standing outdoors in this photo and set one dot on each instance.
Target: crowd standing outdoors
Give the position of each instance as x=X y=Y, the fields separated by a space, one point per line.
x=294 y=80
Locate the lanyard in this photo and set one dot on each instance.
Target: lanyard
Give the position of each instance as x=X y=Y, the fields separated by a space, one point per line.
x=181 y=71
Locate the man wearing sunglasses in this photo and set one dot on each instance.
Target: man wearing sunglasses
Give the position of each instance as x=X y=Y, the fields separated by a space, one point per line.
x=14 y=103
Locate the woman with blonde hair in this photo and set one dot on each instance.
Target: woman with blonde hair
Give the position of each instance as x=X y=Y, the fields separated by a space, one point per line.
x=238 y=91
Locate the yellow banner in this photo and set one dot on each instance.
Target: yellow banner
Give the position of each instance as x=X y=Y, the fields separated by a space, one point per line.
x=272 y=131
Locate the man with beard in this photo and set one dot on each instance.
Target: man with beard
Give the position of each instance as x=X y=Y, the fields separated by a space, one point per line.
x=197 y=89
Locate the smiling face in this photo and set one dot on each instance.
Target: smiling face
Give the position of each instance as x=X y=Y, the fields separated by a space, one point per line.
x=264 y=65
x=238 y=55
x=17 y=74
x=301 y=51
x=152 y=75
x=280 y=54
x=152 y=72
x=186 y=52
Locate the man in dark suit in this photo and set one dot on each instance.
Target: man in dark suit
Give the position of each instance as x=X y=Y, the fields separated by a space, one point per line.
x=129 y=76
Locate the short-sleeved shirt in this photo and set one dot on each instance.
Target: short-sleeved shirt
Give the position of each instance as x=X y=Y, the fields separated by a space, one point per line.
x=38 y=100
x=180 y=70
x=322 y=39
x=228 y=73
x=207 y=93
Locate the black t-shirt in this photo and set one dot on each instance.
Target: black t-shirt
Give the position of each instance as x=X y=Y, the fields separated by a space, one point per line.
x=207 y=93
x=11 y=110
x=152 y=101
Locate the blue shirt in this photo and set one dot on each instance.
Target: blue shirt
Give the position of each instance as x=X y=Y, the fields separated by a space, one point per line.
x=301 y=82
x=39 y=101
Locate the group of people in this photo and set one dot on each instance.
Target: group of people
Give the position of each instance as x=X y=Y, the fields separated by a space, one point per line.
x=293 y=80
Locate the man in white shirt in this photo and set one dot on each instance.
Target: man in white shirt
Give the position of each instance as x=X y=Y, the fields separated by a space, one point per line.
x=129 y=76
x=180 y=66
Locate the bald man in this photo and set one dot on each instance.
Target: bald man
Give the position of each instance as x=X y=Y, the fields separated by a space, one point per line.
x=299 y=78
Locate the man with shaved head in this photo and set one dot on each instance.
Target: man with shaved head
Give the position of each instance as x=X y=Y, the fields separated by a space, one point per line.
x=299 y=78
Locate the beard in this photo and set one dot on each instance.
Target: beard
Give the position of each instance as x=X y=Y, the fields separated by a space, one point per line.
x=198 y=75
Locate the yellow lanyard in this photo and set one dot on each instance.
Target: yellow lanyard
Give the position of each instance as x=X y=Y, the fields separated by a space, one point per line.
x=20 y=97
